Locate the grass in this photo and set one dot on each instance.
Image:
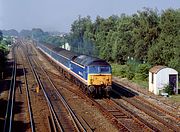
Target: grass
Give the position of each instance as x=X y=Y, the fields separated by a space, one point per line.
x=175 y=98
x=143 y=84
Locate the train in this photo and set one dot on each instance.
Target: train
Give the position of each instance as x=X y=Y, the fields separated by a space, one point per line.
x=92 y=74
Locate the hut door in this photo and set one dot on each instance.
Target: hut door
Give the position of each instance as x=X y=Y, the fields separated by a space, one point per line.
x=172 y=82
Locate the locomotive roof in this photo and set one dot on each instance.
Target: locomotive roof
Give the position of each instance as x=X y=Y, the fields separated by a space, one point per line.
x=85 y=60
x=68 y=54
x=61 y=51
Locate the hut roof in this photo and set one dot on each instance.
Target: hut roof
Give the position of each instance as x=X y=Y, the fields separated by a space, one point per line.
x=156 y=69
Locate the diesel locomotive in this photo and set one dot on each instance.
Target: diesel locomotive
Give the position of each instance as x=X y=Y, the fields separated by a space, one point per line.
x=92 y=74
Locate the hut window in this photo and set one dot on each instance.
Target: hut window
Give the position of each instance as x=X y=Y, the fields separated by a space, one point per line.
x=152 y=78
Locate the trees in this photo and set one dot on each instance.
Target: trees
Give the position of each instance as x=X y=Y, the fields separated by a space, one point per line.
x=166 y=50
x=145 y=32
x=25 y=33
x=81 y=37
x=37 y=34
x=145 y=36
x=11 y=32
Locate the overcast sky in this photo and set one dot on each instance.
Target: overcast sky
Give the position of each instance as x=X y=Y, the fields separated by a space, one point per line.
x=59 y=14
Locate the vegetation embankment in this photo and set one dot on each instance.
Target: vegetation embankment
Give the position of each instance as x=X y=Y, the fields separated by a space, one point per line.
x=3 y=52
x=133 y=71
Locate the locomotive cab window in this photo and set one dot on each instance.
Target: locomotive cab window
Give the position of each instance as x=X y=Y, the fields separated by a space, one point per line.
x=104 y=69
x=93 y=69
x=99 y=69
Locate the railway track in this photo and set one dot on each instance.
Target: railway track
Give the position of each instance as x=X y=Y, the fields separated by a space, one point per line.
x=170 y=121
x=118 y=116
x=149 y=96
x=119 y=111
x=40 y=113
x=139 y=123
x=26 y=90
x=54 y=124
x=59 y=108
x=10 y=105
x=114 y=119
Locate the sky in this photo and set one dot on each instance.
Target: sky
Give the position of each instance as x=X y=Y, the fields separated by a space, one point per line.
x=58 y=15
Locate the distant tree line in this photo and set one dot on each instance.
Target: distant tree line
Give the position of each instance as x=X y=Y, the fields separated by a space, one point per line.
x=37 y=34
x=147 y=37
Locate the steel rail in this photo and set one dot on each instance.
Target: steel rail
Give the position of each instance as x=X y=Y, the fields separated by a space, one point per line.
x=79 y=127
x=9 y=109
x=150 y=113
x=52 y=119
x=28 y=98
x=28 y=101
x=41 y=86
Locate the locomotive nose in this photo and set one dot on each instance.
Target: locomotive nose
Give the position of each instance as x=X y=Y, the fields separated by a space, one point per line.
x=99 y=80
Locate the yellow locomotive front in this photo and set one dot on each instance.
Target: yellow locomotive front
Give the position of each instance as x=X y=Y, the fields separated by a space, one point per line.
x=99 y=78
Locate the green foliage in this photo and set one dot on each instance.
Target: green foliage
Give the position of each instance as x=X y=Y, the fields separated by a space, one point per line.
x=119 y=70
x=168 y=89
x=3 y=53
x=147 y=36
x=37 y=34
x=11 y=32
x=130 y=74
x=81 y=37
x=25 y=33
x=142 y=72
x=55 y=40
x=133 y=70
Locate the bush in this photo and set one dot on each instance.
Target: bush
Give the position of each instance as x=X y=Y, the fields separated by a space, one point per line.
x=168 y=89
x=132 y=70
x=138 y=76
x=129 y=74
x=142 y=72
x=119 y=70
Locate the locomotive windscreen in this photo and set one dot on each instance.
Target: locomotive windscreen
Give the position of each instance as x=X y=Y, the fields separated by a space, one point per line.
x=99 y=69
